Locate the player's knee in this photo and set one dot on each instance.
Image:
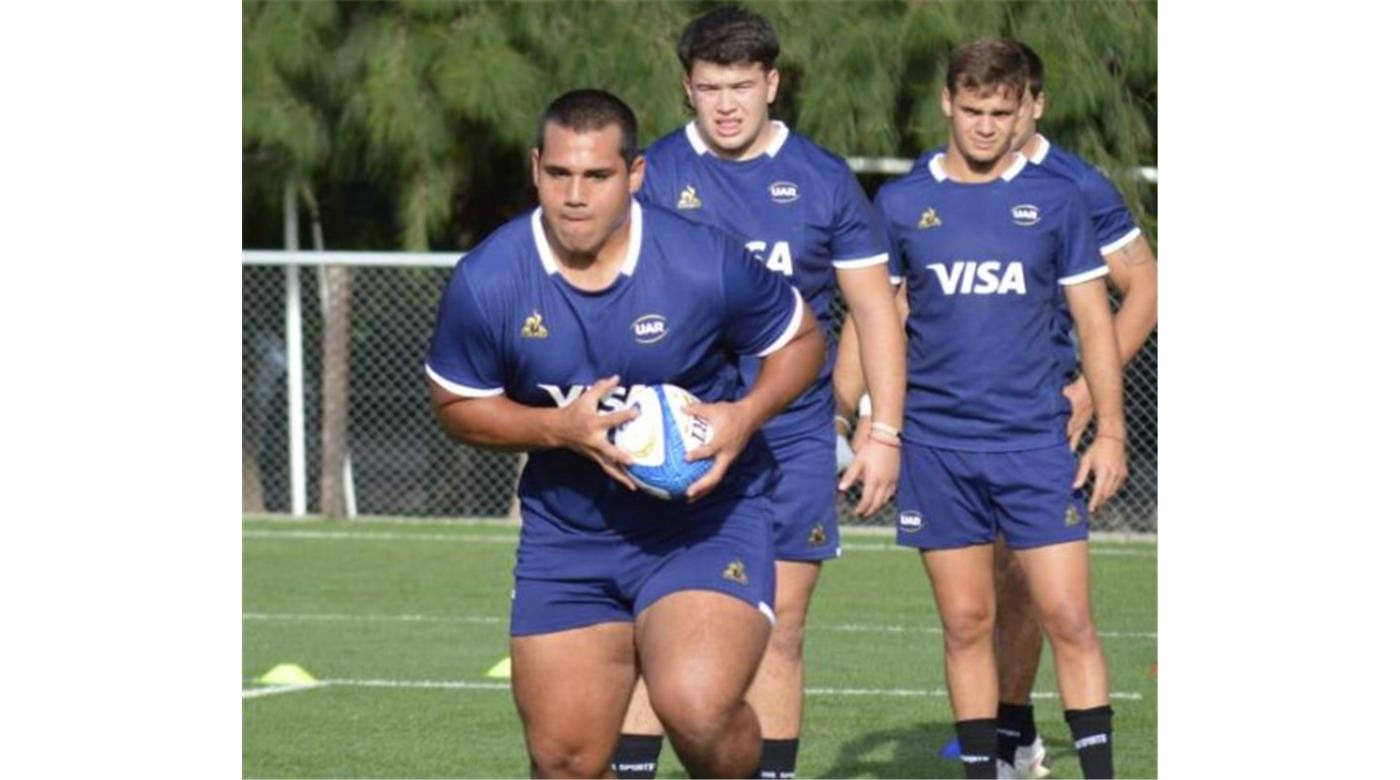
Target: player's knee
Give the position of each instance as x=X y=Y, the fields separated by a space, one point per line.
x=1070 y=625
x=561 y=760
x=966 y=625
x=785 y=643
x=693 y=715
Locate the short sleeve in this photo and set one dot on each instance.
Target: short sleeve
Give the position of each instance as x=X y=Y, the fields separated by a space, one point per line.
x=856 y=241
x=1113 y=223
x=1078 y=259
x=464 y=354
x=883 y=224
x=762 y=311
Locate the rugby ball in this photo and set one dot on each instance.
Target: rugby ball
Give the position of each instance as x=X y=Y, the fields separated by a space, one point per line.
x=658 y=439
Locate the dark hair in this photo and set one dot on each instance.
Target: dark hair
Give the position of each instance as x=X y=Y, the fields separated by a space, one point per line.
x=987 y=63
x=726 y=36
x=591 y=109
x=1035 y=68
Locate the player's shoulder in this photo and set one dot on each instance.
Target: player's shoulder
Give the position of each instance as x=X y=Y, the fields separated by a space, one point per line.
x=675 y=231
x=502 y=256
x=1062 y=162
x=669 y=147
x=918 y=179
x=822 y=160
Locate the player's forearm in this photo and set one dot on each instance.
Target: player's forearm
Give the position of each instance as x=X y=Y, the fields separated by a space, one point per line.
x=882 y=360
x=847 y=378
x=497 y=423
x=785 y=373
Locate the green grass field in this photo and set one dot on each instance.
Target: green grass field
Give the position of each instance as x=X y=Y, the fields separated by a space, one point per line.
x=399 y=623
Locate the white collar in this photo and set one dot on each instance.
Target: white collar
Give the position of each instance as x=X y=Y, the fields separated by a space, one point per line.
x=780 y=136
x=546 y=253
x=1042 y=151
x=935 y=167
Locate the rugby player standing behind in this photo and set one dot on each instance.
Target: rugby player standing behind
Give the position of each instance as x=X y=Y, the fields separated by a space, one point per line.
x=535 y=333
x=985 y=246
x=801 y=213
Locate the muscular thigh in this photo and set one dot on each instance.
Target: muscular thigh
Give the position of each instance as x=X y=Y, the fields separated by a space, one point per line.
x=572 y=686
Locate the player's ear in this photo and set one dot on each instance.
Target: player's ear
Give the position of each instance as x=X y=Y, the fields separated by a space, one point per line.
x=1039 y=106
x=637 y=174
x=947 y=102
x=535 y=167
x=771 y=79
x=689 y=94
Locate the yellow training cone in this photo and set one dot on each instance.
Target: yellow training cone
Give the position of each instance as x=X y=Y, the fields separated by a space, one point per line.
x=287 y=674
x=501 y=671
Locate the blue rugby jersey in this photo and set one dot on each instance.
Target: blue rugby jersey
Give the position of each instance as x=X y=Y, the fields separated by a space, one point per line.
x=509 y=323
x=984 y=264
x=799 y=211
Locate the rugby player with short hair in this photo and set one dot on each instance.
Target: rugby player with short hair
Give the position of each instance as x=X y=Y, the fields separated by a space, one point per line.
x=802 y=214
x=1132 y=270
x=534 y=345
x=986 y=246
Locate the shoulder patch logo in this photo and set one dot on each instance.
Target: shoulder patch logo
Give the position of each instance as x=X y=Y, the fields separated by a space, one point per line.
x=534 y=327
x=734 y=572
x=649 y=328
x=689 y=199
x=1025 y=214
x=929 y=220
x=910 y=520
x=783 y=191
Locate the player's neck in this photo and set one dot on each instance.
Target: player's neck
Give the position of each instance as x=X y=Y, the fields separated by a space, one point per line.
x=756 y=147
x=593 y=271
x=1032 y=147
x=968 y=171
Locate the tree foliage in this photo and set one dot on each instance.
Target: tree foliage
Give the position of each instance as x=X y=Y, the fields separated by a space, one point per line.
x=429 y=108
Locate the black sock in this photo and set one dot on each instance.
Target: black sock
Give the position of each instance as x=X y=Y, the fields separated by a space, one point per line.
x=978 y=740
x=778 y=760
x=1015 y=728
x=1092 y=730
x=636 y=756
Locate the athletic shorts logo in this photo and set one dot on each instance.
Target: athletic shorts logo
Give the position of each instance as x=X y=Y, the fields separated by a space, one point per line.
x=534 y=327
x=1025 y=214
x=1072 y=517
x=649 y=328
x=783 y=191
x=734 y=572
x=688 y=199
x=910 y=520
x=817 y=538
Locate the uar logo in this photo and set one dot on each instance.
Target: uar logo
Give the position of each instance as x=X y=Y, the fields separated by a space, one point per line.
x=1025 y=214
x=649 y=328
x=986 y=277
x=910 y=520
x=783 y=191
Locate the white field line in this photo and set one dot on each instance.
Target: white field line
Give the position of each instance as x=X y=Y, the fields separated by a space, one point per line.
x=1111 y=549
x=369 y=618
x=381 y=536
x=253 y=693
x=856 y=628
x=467 y=685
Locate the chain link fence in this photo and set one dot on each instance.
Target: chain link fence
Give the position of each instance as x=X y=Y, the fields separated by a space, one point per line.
x=400 y=463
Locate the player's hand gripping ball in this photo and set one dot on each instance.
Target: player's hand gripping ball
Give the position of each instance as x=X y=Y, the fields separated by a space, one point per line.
x=658 y=439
